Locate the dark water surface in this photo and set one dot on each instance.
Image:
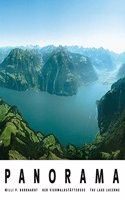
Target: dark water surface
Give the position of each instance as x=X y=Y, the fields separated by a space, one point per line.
x=71 y=119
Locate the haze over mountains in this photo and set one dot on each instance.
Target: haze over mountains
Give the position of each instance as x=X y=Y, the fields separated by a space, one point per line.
x=57 y=70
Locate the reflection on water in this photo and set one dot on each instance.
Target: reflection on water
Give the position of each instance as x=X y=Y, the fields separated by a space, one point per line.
x=71 y=119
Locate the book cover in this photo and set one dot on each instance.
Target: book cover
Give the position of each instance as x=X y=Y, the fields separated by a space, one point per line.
x=62 y=99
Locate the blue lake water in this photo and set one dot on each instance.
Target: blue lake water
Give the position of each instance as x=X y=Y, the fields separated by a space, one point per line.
x=71 y=119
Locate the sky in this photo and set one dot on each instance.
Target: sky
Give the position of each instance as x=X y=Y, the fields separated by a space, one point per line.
x=87 y=23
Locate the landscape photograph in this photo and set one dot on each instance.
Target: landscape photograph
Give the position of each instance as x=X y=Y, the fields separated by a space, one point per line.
x=62 y=80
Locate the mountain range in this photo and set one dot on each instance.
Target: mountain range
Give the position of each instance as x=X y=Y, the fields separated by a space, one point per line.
x=59 y=72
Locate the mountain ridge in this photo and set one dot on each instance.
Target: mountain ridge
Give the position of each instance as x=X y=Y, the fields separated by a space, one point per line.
x=27 y=69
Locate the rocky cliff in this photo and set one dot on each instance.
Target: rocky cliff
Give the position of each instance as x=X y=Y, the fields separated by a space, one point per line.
x=110 y=142
x=111 y=105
